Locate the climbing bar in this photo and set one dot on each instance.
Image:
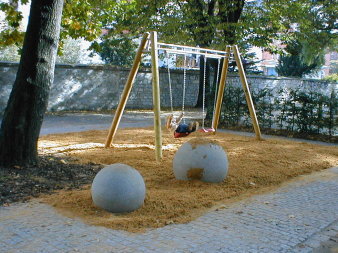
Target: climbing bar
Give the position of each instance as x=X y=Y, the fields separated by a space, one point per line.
x=165 y=46
x=208 y=55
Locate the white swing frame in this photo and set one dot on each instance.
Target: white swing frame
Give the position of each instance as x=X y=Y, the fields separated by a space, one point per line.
x=154 y=46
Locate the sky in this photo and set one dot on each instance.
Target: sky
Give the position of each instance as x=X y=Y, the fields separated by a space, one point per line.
x=25 y=12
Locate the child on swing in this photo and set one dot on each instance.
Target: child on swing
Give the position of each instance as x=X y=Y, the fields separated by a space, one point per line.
x=180 y=129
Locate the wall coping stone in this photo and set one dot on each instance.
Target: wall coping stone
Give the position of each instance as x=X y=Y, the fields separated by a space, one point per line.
x=148 y=70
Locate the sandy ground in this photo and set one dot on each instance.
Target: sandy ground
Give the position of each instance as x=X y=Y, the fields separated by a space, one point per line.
x=255 y=166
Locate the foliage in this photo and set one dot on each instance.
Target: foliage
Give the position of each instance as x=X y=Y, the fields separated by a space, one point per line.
x=289 y=109
x=118 y=50
x=10 y=53
x=180 y=22
x=71 y=53
x=334 y=67
x=312 y=23
x=233 y=109
x=249 y=61
x=332 y=78
x=210 y=23
x=10 y=33
x=293 y=63
x=80 y=19
x=74 y=52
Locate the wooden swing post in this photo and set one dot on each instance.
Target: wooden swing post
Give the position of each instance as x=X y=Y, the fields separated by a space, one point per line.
x=247 y=93
x=221 y=87
x=156 y=96
x=126 y=91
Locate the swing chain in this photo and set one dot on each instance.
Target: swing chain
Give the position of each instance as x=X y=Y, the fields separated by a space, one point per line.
x=170 y=88
x=204 y=80
x=217 y=84
x=184 y=84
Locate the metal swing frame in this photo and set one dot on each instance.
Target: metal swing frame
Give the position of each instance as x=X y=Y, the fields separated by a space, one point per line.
x=154 y=46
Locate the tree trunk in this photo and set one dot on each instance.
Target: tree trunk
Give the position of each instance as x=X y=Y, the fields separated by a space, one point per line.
x=28 y=100
x=229 y=13
x=211 y=95
x=211 y=65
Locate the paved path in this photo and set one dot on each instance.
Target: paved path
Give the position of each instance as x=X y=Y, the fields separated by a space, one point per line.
x=77 y=122
x=297 y=217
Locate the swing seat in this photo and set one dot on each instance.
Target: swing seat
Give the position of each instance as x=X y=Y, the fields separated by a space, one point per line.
x=206 y=130
x=180 y=135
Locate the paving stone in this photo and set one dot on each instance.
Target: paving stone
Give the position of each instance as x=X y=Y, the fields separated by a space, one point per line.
x=295 y=218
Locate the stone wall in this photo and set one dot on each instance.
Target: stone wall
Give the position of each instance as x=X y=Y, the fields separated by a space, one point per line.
x=95 y=88
x=277 y=83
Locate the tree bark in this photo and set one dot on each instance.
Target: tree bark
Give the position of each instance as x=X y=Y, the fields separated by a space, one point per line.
x=203 y=35
x=28 y=100
x=211 y=64
x=229 y=12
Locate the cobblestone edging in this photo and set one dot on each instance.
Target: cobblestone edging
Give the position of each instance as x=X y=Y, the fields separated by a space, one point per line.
x=317 y=239
x=295 y=218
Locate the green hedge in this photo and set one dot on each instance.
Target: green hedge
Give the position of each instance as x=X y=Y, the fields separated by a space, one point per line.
x=294 y=110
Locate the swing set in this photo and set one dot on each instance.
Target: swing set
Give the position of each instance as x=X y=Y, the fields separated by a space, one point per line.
x=167 y=50
x=154 y=47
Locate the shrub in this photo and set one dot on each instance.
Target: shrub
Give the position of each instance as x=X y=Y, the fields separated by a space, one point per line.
x=293 y=110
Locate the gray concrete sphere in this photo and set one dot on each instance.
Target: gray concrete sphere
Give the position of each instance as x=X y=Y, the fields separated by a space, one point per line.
x=118 y=188
x=202 y=159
